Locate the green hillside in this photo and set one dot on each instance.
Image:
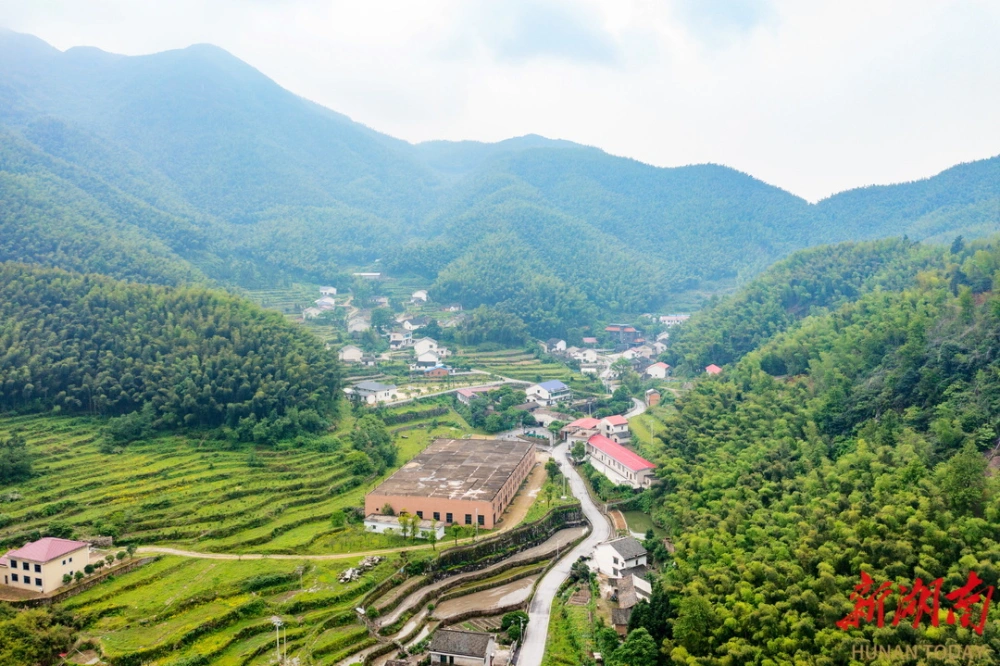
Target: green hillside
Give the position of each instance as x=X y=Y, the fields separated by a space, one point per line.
x=169 y=357
x=856 y=440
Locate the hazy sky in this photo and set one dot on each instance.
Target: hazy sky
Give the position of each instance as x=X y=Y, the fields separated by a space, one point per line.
x=812 y=96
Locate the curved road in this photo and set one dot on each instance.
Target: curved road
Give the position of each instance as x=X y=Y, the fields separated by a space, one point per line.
x=541 y=605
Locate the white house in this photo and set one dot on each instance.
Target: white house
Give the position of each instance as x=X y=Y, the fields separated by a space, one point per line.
x=658 y=347
x=358 y=323
x=350 y=354
x=467 y=395
x=555 y=345
x=645 y=351
x=548 y=393
x=621 y=466
x=326 y=303
x=585 y=355
x=372 y=392
x=40 y=565
x=368 y=276
x=416 y=322
x=400 y=339
x=311 y=313
x=390 y=525
x=616 y=555
x=428 y=360
x=616 y=429
x=328 y=291
x=424 y=345
x=674 y=319
x=419 y=296
x=658 y=370
x=462 y=648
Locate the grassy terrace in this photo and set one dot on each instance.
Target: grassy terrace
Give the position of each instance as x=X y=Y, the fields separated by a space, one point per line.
x=184 y=493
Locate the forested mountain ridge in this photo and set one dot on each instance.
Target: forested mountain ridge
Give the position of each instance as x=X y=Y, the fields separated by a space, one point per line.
x=226 y=176
x=171 y=357
x=855 y=440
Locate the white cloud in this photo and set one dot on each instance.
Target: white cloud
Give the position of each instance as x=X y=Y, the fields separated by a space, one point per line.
x=813 y=97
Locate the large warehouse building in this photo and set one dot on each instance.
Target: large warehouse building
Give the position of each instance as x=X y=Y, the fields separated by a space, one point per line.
x=463 y=481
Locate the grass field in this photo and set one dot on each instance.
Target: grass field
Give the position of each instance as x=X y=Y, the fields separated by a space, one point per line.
x=571 y=632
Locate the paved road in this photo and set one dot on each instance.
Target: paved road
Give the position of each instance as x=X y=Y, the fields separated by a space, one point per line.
x=541 y=605
x=638 y=407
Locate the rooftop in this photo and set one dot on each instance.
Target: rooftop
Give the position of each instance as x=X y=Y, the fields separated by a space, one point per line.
x=713 y=369
x=630 y=459
x=373 y=386
x=627 y=597
x=553 y=385
x=46 y=550
x=617 y=419
x=469 y=469
x=661 y=364
x=465 y=643
x=628 y=547
x=587 y=423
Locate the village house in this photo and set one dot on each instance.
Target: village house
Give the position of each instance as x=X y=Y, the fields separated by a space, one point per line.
x=437 y=371
x=40 y=565
x=644 y=350
x=614 y=556
x=622 y=333
x=424 y=345
x=548 y=393
x=368 y=276
x=658 y=370
x=652 y=397
x=390 y=525
x=350 y=354
x=369 y=361
x=416 y=323
x=590 y=342
x=546 y=417
x=461 y=648
x=326 y=303
x=311 y=313
x=373 y=392
x=658 y=347
x=580 y=430
x=358 y=323
x=674 y=319
x=381 y=301
x=553 y=345
x=622 y=466
x=632 y=587
x=454 y=307
x=713 y=369
x=419 y=296
x=400 y=339
x=616 y=429
x=466 y=395
x=427 y=360
x=328 y=291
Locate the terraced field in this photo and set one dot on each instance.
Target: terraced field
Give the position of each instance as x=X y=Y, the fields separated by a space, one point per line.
x=187 y=494
x=516 y=364
x=188 y=611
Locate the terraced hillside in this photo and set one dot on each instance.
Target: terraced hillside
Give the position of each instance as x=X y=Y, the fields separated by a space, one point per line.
x=184 y=493
x=194 y=611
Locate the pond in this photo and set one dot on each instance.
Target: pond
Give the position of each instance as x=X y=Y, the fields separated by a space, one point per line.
x=639 y=522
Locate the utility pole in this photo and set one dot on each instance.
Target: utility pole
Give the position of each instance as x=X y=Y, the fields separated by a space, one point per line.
x=276 y=621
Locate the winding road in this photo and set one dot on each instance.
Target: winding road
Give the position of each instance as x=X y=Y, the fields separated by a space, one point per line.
x=533 y=648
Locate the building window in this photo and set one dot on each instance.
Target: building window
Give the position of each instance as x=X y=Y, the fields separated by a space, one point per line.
x=420 y=515
x=13 y=564
x=71 y=559
x=25 y=566
x=448 y=518
x=13 y=577
x=64 y=562
x=468 y=519
x=482 y=520
x=437 y=515
x=38 y=582
x=38 y=568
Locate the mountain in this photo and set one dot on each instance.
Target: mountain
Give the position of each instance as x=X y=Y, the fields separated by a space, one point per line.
x=192 y=166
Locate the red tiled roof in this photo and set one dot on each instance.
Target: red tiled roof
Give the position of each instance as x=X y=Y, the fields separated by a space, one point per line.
x=46 y=550
x=473 y=391
x=629 y=329
x=633 y=461
x=612 y=329
x=661 y=364
x=617 y=419
x=713 y=369
x=586 y=423
x=590 y=340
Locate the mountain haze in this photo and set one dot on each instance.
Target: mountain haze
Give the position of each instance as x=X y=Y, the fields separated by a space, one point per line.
x=190 y=165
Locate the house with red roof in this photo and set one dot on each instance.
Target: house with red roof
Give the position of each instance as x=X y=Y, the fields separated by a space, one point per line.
x=40 y=565
x=620 y=465
x=580 y=430
x=658 y=370
x=713 y=369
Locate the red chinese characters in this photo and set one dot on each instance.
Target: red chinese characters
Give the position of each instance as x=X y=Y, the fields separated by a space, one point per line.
x=918 y=601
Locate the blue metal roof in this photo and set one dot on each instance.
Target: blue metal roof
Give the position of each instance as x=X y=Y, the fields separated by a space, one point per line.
x=553 y=385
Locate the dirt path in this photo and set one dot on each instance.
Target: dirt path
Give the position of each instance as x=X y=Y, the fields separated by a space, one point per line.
x=618 y=520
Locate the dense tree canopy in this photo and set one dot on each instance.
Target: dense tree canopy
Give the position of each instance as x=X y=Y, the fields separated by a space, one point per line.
x=866 y=453
x=189 y=356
